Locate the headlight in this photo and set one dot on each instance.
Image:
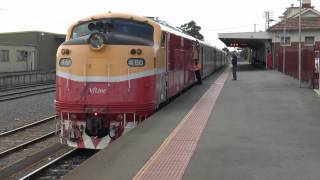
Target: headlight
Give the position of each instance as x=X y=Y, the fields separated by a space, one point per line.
x=65 y=62
x=136 y=62
x=97 y=40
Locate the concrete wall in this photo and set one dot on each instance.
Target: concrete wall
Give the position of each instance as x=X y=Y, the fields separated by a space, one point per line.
x=14 y=64
x=8 y=80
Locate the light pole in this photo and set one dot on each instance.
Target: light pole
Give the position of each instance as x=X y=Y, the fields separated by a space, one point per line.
x=273 y=50
x=284 y=45
x=299 y=54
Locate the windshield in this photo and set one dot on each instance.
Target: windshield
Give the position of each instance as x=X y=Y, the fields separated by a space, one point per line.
x=117 y=31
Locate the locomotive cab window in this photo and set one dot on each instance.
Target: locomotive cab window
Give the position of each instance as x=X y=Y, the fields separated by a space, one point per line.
x=117 y=31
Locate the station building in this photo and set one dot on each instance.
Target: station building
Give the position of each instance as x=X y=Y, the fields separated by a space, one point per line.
x=28 y=51
x=277 y=47
x=285 y=39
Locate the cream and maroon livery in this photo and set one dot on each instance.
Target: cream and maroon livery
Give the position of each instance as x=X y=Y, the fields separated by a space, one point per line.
x=100 y=85
x=99 y=96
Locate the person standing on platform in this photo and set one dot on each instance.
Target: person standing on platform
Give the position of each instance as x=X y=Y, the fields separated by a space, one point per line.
x=234 y=65
x=196 y=68
x=197 y=65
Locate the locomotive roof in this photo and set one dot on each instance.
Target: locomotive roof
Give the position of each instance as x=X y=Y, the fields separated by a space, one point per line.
x=163 y=25
x=175 y=30
x=113 y=15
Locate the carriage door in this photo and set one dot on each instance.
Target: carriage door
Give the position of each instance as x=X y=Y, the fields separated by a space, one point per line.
x=202 y=60
x=161 y=63
x=170 y=65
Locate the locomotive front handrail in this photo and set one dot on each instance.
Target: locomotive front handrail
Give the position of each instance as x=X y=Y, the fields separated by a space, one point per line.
x=129 y=85
x=85 y=73
x=108 y=78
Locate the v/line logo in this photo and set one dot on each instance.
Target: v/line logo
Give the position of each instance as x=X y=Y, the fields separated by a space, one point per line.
x=96 y=90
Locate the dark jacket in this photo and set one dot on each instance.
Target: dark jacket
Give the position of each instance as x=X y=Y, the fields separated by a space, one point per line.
x=234 y=60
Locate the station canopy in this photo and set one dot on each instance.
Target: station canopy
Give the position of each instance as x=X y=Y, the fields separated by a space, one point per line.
x=245 y=39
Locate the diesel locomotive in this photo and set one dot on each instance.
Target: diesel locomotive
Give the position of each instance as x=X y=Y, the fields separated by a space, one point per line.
x=114 y=70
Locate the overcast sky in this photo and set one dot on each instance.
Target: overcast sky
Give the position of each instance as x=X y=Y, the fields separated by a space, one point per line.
x=214 y=16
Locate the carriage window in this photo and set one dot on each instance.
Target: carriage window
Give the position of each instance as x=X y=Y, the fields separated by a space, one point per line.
x=117 y=31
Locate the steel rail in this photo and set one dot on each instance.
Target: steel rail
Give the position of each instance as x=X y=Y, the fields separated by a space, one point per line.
x=6 y=133
x=18 y=87
x=17 y=95
x=16 y=148
x=26 y=91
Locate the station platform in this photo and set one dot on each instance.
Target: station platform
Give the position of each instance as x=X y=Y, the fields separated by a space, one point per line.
x=260 y=127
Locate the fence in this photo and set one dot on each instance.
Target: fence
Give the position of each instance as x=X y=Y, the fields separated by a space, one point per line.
x=292 y=66
x=8 y=80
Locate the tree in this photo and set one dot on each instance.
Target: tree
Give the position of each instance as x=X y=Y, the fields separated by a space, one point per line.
x=192 y=29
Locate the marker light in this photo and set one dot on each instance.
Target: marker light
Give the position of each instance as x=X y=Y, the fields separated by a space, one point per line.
x=95 y=114
x=133 y=51
x=120 y=117
x=68 y=51
x=73 y=116
x=97 y=40
x=139 y=51
x=65 y=62
x=65 y=51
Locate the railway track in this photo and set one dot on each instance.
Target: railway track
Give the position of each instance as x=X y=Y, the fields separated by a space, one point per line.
x=26 y=86
x=60 y=166
x=23 y=141
x=15 y=94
